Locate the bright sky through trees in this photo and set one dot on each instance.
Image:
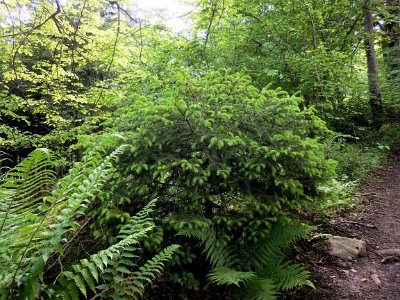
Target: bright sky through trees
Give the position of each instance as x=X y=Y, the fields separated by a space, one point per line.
x=169 y=12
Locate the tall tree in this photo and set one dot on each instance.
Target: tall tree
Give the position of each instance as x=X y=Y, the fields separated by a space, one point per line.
x=391 y=41
x=375 y=98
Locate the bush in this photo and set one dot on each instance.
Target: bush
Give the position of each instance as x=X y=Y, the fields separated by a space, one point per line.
x=207 y=139
x=220 y=154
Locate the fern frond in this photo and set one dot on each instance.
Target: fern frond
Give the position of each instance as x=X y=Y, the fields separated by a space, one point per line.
x=113 y=259
x=154 y=266
x=217 y=251
x=266 y=270
x=86 y=272
x=258 y=289
x=280 y=237
x=4 y=157
x=22 y=188
x=140 y=220
x=287 y=275
x=74 y=198
x=116 y=262
x=23 y=191
x=72 y=195
x=224 y=275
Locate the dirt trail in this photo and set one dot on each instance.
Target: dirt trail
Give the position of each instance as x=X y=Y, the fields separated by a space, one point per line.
x=367 y=277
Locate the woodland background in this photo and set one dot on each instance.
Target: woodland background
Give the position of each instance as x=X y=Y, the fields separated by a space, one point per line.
x=138 y=161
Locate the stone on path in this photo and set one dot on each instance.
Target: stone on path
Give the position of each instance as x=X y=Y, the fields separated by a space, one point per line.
x=346 y=248
x=389 y=252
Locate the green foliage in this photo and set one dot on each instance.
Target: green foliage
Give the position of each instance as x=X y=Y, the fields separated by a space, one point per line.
x=230 y=160
x=389 y=137
x=37 y=228
x=45 y=231
x=358 y=161
x=300 y=46
x=217 y=138
x=226 y=162
x=215 y=247
x=259 y=289
x=225 y=276
x=280 y=236
x=116 y=262
x=262 y=271
x=24 y=200
x=59 y=61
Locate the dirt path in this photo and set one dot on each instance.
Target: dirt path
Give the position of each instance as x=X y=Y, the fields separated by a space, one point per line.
x=340 y=279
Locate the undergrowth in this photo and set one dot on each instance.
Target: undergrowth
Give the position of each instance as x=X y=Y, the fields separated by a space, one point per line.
x=357 y=161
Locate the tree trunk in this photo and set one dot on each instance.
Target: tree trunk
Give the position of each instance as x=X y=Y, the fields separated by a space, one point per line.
x=391 y=45
x=375 y=100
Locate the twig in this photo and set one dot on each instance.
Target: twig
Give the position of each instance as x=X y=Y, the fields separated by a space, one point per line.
x=61 y=270
x=68 y=244
x=37 y=26
x=358 y=223
x=380 y=197
x=208 y=33
x=374 y=186
x=368 y=194
x=114 y=49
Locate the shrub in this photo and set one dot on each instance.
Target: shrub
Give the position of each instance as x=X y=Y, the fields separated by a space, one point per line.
x=216 y=150
x=208 y=139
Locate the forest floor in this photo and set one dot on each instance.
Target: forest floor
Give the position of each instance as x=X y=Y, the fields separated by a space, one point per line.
x=377 y=222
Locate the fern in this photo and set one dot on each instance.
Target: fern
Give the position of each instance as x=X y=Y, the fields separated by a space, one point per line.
x=22 y=188
x=22 y=195
x=258 y=289
x=279 y=275
x=116 y=262
x=72 y=196
x=286 y=274
x=4 y=157
x=124 y=284
x=280 y=237
x=224 y=275
x=215 y=248
x=140 y=220
x=34 y=224
x=153 y=266
x=274 y=272
x=264 y=270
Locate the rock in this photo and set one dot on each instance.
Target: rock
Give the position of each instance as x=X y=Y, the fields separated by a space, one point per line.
x=389 y=255
x=346 y=248
x=389 y=252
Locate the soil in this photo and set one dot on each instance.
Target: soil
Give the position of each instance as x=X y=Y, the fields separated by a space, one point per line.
x=377 y=222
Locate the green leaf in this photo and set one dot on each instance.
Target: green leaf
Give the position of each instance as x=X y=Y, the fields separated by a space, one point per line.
x=80 y=283
x=88 y=279
x=224 y=275
x=92 y=268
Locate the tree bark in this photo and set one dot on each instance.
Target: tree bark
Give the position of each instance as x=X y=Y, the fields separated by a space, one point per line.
x=375 y=99
x=391 y=45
